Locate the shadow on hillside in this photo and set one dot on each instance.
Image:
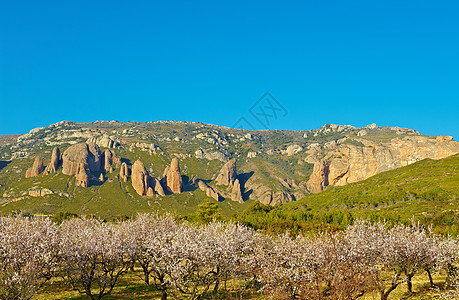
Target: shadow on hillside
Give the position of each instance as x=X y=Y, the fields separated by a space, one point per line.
x=127 y=161
x=243 y=178
x=3 y=164
x=96 y=182
x=188 y=186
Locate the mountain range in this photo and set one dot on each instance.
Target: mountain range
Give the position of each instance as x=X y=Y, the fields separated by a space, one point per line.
x=114 y=168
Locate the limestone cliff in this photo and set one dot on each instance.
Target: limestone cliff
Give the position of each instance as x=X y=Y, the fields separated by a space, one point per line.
x=210 y=192
x=140 y=178
x=273 y=166
x=124 y=172
x=228 y=173
x=345 y=163
x=86 y=154
x=55 y=161
x=173 y=177
x=36 y=169
x=82 y=160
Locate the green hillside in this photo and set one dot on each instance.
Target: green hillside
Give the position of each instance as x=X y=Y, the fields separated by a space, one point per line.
x=426 y=180
x=427 y=191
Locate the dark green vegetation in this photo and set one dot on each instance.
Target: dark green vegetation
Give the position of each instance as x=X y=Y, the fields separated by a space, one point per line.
x=427 y=191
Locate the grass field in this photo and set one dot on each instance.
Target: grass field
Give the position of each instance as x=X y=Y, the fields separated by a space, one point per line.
x=130 y=286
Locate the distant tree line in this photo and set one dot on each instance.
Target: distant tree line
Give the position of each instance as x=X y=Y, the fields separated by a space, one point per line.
x=282 y=218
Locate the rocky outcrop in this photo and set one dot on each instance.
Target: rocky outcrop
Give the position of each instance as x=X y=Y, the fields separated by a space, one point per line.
x=210 y=192
x=227 y=174
x=347 y=163
x=105 y=141
x=274 y=166
x=83 y=175
x=36 y=169
x=140 y=178
x=78 y=155
x=156 y=185
x=173 y=177
x=292 y=149
x=142 y=182
x=236 y=194
x=111 y=161
x=124 y=172
x=221 y=155
x=41 y=192
x=55 y=161
x=152 y=149
x=150 y=192
x=273 y=198
x=82 y=160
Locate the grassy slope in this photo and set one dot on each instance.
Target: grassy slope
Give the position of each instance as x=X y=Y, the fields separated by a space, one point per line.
x=113 y=197
x=427 y=190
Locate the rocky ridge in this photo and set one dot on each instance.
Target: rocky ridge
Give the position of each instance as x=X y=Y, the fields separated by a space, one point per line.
x=274 y=166
x=347 y=163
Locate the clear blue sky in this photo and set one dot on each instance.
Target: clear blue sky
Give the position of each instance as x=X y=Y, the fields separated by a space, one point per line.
x=394 y=63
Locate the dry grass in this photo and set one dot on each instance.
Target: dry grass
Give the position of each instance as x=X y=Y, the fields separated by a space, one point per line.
x=131 y=286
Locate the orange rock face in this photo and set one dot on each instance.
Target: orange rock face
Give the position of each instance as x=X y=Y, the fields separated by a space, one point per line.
x=346 y=163
x=36 y=169
x=173 y=177
x=139 y=177
x=236 y=194
x=228 y=173
x=124 y=172
x=156 y=184
x=55 y=161
x=110 y=161
x=86 y=154
x=82 y=177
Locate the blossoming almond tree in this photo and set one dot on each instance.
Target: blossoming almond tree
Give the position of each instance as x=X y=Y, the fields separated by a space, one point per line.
x=152 y=236
x=291 y=268
x=189 y=260
x=28 y=256
x=94 y=255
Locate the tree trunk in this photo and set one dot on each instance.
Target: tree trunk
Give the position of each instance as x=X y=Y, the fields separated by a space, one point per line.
x=147 y=278
x=132 y=266
x=430 y=277
x=409 y=284
x=146 y=275
x=385 y=295
x=164 y=295
x=217 y=283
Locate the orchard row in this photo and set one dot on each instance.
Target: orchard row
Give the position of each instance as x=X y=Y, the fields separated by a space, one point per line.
x=187 y=260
